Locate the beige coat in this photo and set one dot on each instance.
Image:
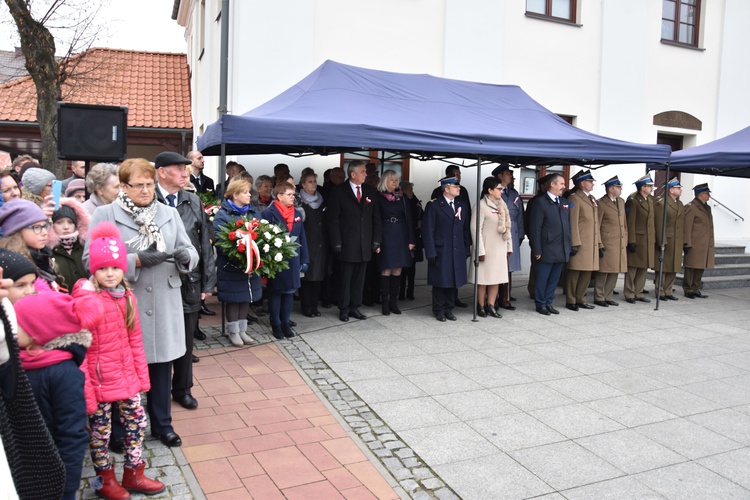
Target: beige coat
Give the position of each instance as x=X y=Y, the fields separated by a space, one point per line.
x=675 y=233
x=699 y=235
x=584 y=232
x=495 y=241
x=614 y=233
x=639 y=212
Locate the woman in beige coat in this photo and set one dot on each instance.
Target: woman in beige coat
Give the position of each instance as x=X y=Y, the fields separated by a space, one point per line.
x=494 y=245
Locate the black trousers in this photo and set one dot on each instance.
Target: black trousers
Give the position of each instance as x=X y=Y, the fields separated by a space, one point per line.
x=351 y=284
x=182 y=380
x=443 y=300
x=159 y=398
x=309 y=293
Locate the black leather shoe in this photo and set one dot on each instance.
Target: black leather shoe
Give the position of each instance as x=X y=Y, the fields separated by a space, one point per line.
x=344 y=316
x=672 y=297
x=458 y=303
x=292 y=323
x=630 y=301
x=200 y=334
x=583 y=305
x=572 y=307
x=187 y=401
x=355 y=313
x=543 y=310
x=601 y=303
x=287 y=329
x=196 y=359
x=509 y=307
x=513 y=299
x=326 y=305
x=553 y=310
x=277 y=333
x=316 y=313
x=308 y=314
x=481 y=312
x=612 y=303
x=689 y=295
x=251 y=319
x=615 y=292
x=644 y=299
x=440 y=317
x=491 y=311
x=450 y=317
x=700 y=295
x=206 y=311
x=169 y=439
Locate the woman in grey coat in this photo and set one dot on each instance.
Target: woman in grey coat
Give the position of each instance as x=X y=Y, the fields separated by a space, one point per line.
x=159 y=251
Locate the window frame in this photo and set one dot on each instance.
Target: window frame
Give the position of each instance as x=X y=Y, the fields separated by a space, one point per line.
x=548 y=12
x=675 y=39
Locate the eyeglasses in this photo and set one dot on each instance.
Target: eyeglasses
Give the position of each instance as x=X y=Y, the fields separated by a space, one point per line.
x=140 y=187
x=288 y=194
x=39 y=228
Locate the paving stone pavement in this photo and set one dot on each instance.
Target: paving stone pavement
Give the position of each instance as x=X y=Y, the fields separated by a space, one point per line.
x=622 y=402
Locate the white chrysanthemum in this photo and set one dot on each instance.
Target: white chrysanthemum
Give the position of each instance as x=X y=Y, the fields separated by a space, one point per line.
x=263 y=221
x=266 y=248
x=277 y=242
x=267 y=235
x=278 y=257
x=276 y=230
x=288 y=239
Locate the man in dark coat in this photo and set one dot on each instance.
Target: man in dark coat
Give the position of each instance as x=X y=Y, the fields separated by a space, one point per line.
x=447 y=243
x=541 y=190
x=199 y=283
x=202 y=183
x=354 y=232
x=699 y=241
x=549 y=237
x=639 y=213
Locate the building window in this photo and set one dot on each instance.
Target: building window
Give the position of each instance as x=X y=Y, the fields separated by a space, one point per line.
x=556 y=9
x=382 y=161
x=680 y=21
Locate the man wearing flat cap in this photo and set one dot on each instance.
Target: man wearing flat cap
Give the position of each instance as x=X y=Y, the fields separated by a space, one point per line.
x=614 y=233
x=513 y=201
x=172 y=177
x=585 y=240
x=699 y=241
x=675 y=234
x=447 y=242
x=639 y=213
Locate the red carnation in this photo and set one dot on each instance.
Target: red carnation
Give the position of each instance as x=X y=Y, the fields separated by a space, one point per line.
x=238 y=223
x=255 y=223
x=241 y=247
x=253 y=235
x=232 y=235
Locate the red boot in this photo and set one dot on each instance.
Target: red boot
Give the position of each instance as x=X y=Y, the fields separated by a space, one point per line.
x=134 y=481
x=111 y=489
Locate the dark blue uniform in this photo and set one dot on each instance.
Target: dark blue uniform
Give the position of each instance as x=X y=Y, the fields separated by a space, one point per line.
x=447 y=238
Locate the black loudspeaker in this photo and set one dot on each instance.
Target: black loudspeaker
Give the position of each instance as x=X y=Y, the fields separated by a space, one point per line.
x=89 y=132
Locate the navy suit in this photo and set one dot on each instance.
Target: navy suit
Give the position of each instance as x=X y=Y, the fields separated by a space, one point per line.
x=447 y=238
x=549 y=236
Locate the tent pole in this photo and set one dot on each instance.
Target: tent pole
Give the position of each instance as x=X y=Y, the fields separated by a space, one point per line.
x=475 y=251
x=663 y=239
x=223 y=84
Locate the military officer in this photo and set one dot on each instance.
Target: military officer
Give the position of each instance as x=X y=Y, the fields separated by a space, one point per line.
x=614 y=233
x=585 y=240
x=699 y=241
x=639 y=213
x=675 y=234
x=447 y=242
x=513 y=200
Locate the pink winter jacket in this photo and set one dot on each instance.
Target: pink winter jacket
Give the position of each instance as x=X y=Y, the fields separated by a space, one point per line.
x=116 y=359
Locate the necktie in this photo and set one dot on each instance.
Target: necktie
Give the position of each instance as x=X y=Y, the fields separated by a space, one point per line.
x=359 y=195
x=170 y=199
x=557 y=200
x=452 y=207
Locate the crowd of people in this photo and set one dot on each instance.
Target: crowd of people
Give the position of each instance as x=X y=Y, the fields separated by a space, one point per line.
x=91 y=281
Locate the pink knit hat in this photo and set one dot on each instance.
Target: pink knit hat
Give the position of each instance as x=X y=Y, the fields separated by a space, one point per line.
x=106 y=248
x=46 y=316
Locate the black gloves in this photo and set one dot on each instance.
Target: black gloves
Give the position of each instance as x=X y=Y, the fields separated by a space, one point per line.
x=151 y=256
x=601 y=253
x=432 y=260
x=686 y=249
x=574 y=250
x=375 y=245
x=631 y=247
x=182 y=256
x=336 y=249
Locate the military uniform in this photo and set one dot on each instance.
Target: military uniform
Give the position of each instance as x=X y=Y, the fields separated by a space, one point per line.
x=639 y=214
x=614 y=234
x=699 y=243
x=675 y=234
x=584 y=234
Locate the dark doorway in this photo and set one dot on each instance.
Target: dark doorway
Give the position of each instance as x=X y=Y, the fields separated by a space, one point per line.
x=675 y=142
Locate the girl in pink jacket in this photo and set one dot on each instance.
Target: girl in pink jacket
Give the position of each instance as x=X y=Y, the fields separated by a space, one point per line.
x=117 y=365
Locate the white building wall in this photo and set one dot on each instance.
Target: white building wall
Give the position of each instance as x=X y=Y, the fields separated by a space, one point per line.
x=610 y=72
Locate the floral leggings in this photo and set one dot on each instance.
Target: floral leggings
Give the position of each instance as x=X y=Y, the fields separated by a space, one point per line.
x=133 y=418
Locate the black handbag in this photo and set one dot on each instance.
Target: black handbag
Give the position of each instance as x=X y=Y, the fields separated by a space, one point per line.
x=35 y=465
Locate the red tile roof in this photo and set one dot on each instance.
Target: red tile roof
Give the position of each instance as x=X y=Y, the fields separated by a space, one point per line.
x=154 y=86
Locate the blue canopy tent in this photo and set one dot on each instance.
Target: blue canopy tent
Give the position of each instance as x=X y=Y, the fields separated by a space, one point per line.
x=728 y=156
x=344 y=109
x=340 y=108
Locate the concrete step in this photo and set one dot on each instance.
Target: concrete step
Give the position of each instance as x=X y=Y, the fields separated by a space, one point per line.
x=728 y=270
x=729 y=249
x=714 y=282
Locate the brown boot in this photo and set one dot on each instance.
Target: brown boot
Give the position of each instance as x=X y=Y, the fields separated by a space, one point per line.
x=135 y=481
x=111 y=489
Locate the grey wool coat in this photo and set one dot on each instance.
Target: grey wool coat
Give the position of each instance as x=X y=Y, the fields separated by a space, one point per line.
x=156 y=288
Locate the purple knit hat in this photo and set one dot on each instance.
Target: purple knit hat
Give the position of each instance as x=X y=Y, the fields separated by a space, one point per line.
x=17 y=214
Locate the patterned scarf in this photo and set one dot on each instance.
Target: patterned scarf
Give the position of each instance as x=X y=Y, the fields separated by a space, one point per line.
x=68 y=241
x=148 y=231
x=395 y=196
